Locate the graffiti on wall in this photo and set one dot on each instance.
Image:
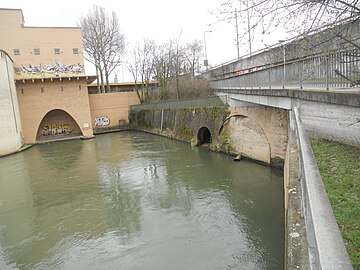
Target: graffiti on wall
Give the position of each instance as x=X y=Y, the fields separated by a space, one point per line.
x=102 y=121
x=56 y=129
x=56 y=69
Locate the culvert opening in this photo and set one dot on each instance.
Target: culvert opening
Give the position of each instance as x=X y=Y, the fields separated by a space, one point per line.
x=204 y=136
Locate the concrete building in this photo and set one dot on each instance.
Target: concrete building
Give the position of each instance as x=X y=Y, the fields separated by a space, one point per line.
x=50 y=80
x=44 y=92
x=10 y=122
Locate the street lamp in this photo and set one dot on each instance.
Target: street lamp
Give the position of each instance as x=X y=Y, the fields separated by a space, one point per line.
x=284 y=62
x=206 y=63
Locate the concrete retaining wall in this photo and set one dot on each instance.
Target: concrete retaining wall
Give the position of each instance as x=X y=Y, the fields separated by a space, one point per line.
x=258 y=133
x=10 y=121
x=326 y=247
x=109 y=110
x=180 y=124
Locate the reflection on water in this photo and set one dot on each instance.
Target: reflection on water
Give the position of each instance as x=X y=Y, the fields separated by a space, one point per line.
x=137 y=201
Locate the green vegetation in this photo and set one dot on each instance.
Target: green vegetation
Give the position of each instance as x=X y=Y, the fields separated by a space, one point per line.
x=339 y=167
x=225 y=144
x=213 y=112
x=277 y=162
x=185 y=133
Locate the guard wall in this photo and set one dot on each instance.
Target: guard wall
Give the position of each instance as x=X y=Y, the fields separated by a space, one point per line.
x=11 y=130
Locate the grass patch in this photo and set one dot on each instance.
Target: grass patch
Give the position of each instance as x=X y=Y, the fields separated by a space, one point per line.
x=339 y=167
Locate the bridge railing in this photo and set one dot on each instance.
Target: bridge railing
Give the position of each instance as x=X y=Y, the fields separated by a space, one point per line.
x=335 y=70
x=325 y=244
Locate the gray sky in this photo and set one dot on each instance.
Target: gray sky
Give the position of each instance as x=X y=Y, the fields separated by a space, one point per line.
x=158 y=20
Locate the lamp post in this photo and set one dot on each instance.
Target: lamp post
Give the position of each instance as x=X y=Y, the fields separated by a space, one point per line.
x=206 y=63
x=237 y=35
x=284 y=61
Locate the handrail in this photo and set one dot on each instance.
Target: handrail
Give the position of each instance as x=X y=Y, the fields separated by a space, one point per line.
x=326 y=246
x=338 y=70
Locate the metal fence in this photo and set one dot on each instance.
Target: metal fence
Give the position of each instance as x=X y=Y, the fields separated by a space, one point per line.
x=180 y=104
x=325 y=244
x=336 y=70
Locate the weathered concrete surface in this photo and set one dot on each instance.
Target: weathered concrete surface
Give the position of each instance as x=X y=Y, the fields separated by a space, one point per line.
x=296 y=251
x=10 y=121
x=333 y=122
x=332 y=97
x=181 y=124
x=330 y=115
x=247 y=138
x=262 y=134
x=326 y=246
x=111 y=110
x=258 y=133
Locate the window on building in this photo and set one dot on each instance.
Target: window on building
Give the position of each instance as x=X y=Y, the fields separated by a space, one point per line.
x=80 y=87
x=75 y=51
x=42 y=90
x=16 y=51
x=56 y=50
x=37 y=51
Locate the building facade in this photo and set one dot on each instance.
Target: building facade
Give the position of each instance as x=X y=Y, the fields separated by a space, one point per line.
x=44 y=93
x=50 y=78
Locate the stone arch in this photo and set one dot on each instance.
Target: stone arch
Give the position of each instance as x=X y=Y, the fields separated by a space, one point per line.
x=57 y=124
x=204 y=136
x=247 y=137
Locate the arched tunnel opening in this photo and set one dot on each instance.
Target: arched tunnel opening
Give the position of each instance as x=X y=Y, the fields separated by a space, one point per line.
x=204 y=136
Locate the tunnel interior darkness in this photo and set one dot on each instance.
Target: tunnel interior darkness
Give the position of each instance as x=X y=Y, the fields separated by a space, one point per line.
x=204 y=136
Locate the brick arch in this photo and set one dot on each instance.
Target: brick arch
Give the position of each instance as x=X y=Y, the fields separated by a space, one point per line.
x=247 y=137
x=57 y=124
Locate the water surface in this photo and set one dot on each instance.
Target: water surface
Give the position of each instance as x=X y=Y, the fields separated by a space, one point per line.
x=138 y=201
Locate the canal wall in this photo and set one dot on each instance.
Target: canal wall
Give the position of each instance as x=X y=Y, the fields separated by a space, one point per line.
x=181 y=120
x=110 y=111
x=10 y=121
x=309 y=211
x=258 y=133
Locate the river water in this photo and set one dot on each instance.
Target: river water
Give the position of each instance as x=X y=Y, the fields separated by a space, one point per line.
x=138 y=201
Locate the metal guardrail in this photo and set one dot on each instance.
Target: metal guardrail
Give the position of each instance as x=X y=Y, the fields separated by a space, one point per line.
x=326 y=246
x=335 y=70
x=180 y=104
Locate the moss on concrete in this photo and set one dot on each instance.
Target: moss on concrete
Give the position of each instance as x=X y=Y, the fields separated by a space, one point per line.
x=277 y=162
x=225 y=144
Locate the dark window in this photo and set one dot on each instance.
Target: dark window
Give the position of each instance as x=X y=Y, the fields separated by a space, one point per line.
x=57 y=51
x=22 y=91
x=62 y=89
x=79 y=87
x=42 y=90
x=37 y=51
x=75 y=51
x=16 y=51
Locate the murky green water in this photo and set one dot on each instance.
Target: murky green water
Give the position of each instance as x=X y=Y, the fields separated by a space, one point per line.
x=138 y=201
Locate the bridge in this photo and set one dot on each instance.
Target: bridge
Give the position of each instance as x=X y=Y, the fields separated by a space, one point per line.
x=322 y=97
x=272 y=110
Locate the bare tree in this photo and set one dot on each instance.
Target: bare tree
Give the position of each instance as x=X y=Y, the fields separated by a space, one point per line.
x=317 y=27
x=163 y=66
x=193 y=54
x=134 y=68
x=141 y=66
x=103 y=42
x=297 y=17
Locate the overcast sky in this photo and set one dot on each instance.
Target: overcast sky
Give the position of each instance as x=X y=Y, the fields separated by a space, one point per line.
x=158 y=20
